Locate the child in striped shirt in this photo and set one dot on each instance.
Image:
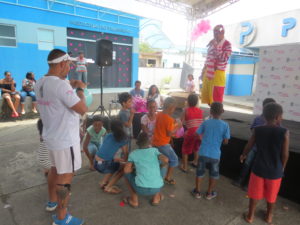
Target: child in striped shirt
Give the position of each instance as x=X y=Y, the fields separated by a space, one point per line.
x=43 y=154
x=192 y=118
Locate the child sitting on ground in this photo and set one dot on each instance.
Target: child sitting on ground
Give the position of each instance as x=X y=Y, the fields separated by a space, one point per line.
x=43 y=154
x=93 y=139
x=150 y=167
x=165 y=128
x=214 y=132
x=272 y=142
x=105 y=161
x=126 y=114
x=149 y=119
x=192 y=118
x=242 y=179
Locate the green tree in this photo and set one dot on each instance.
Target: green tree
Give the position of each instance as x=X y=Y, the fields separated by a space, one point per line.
x=146 y=48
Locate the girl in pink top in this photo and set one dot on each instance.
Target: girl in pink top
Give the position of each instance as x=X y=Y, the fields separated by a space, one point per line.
x=192 y=118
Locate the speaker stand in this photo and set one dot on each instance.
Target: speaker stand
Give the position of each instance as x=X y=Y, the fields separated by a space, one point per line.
x=101 y=108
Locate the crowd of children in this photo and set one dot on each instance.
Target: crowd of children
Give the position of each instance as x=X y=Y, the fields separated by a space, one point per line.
x=147 y=168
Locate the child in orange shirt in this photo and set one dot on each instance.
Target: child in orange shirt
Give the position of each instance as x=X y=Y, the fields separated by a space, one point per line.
x=165 y=128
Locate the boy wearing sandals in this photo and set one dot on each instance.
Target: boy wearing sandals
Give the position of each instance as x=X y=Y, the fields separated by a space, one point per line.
x=214 y=132
x=165 y=128
x=150 y=167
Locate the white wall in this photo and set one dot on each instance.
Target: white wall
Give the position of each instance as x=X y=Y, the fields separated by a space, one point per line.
x=278 y=77
x=267 y=31
x=150 y=76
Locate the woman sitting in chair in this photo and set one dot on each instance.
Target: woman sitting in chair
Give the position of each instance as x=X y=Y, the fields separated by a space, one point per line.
x=8 y=92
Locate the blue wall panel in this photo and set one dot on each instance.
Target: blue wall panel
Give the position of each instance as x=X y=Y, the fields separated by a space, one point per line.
x=63 y=19
x=135 y=68
x=239 y=85
x=40 y=4
x=243 y=60
x=30 y=58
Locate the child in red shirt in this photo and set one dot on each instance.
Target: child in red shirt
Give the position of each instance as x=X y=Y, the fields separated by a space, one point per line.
x=192 y=118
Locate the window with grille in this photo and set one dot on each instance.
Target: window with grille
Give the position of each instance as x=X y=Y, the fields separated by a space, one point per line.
x=8 y=35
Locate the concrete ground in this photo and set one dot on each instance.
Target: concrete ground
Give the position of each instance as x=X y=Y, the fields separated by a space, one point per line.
x=23 y=193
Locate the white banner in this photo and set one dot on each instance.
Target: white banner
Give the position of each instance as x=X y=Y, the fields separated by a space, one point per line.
x=279 y=78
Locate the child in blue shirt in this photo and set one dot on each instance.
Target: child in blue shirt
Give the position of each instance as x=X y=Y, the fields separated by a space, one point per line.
x=150 y=168
x=105 y=161
x=214 y=132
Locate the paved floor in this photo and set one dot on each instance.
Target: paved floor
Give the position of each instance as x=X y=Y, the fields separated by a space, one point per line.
x=23 y=194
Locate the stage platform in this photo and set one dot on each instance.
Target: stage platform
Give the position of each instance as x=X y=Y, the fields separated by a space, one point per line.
x=230 y=165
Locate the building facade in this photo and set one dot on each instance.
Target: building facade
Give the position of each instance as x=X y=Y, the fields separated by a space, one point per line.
x=30 y=29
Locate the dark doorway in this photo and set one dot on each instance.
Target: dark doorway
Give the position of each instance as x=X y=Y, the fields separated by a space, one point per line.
x=117 y=75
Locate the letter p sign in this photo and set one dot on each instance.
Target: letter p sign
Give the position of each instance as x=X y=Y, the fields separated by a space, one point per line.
x=289 y=23
x=249 y=29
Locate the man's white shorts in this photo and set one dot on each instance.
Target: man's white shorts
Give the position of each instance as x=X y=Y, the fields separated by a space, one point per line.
x=66 y=160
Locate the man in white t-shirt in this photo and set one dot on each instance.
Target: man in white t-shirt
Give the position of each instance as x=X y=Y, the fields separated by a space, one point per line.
x=60 y=107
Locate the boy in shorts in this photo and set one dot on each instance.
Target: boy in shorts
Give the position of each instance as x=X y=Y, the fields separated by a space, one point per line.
x=245 y=172
x=272 y=142
x=165 y=128
x=126 y=114
x=214 y=132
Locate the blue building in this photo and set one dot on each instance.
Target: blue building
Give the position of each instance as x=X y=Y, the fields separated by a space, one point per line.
x=30 y=29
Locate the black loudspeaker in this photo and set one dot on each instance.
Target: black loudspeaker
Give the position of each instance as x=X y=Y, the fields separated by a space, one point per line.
x=104 y=50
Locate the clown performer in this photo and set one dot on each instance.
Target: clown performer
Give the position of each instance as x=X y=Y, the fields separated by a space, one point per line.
x=213 y=73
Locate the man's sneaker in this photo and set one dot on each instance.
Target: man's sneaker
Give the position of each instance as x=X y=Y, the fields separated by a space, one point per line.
x=51 y=206
x=210 y=196
x=68 y=220
x=196 y=194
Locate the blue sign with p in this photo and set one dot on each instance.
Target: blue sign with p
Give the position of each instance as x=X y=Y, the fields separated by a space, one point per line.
x=289 y=23
x=246 y=32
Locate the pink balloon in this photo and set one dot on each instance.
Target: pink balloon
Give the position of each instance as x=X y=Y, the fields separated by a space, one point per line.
x=201 y=28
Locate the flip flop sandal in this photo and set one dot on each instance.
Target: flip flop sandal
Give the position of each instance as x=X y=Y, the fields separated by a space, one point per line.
x=170 y=181
x=102 y=186
x=126 y=200
x=157 y=203
x=183 y=170
x=245 y=215
x=113 y=190
x=193 y=165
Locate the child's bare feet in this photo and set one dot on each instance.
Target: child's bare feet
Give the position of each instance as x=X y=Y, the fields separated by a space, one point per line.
x=157 y=199
x=92 y=168
x=102 y=185
x=128 y=200
x=247 y=218
x=268 y=219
